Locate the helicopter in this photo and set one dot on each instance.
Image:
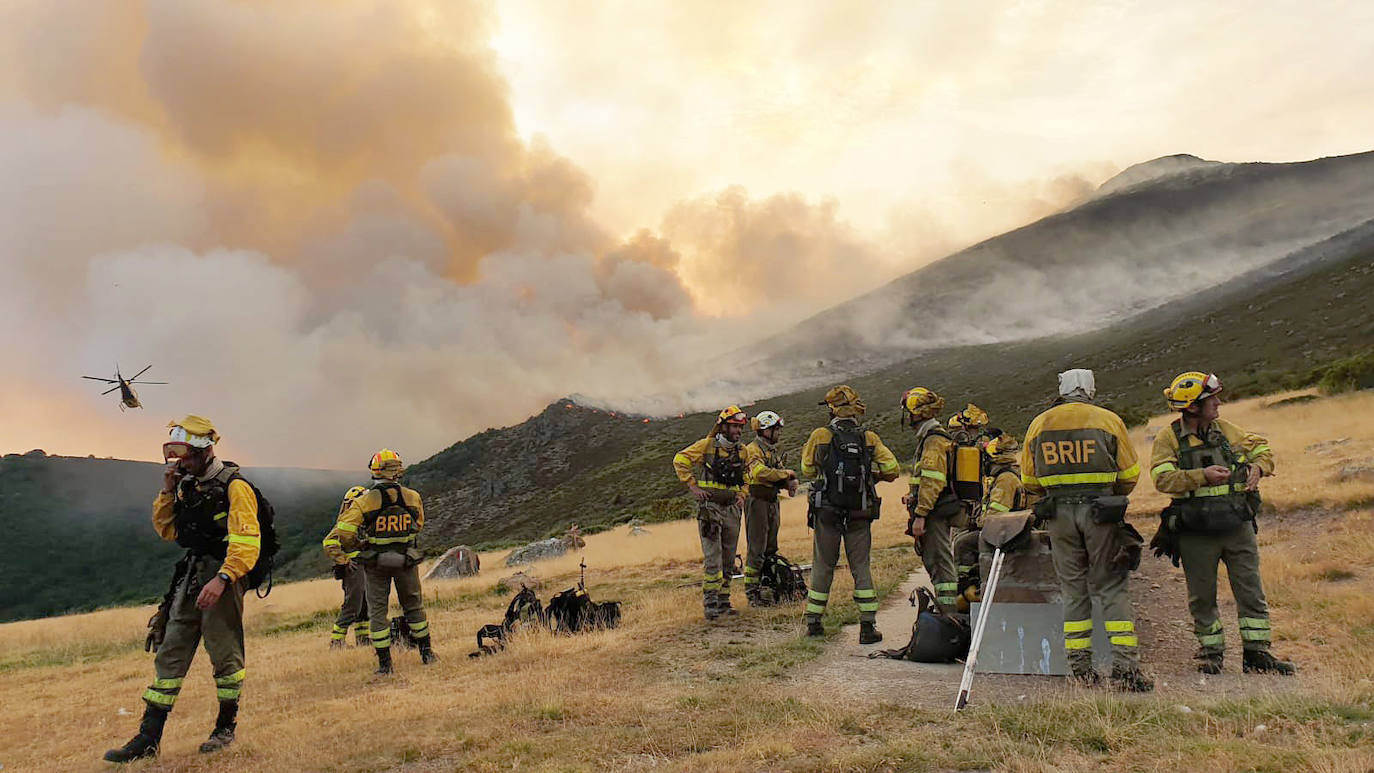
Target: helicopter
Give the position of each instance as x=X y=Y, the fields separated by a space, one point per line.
x=128 y=398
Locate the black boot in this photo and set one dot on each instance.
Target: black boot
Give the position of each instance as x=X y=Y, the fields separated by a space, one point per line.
x=337 y=644
x=427 y=655
x=708 y=604
x=383 y=661
x=723 y=604
x=755 y=597
x=148 y=739
x=1131 y=680
x=813 y=626
x=1209 y=662
x=868 y=633
x=1081 y=671
x=225 y=723
x=1262 y=662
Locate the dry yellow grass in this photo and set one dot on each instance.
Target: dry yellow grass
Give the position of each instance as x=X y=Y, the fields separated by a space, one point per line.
x=670 y=692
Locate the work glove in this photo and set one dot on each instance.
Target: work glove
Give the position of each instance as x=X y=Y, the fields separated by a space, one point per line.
x=340 y=571
x=157 y=630
x=1165 y=542
x=1127 y=557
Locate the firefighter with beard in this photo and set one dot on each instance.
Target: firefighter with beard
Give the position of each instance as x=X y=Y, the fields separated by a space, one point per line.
x=714 y=470
x=1212 y=469
x=844 y=461
x=207 y=507
x=353 y=611
x=1080 y=458
x=935 y=510
x=766 y=475
x=383 y=524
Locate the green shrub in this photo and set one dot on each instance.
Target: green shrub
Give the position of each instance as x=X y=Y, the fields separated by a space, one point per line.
x=1348 y=375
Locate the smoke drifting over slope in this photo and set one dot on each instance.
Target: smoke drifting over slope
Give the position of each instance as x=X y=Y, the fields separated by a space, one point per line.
x=320 y=221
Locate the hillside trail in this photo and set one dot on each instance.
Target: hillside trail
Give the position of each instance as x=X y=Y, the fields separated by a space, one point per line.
x=845 y=673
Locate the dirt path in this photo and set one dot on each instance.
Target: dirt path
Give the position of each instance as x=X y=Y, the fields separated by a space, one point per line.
x=844 y=672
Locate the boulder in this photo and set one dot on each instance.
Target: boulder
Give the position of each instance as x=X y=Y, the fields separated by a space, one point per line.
x=460 y=561
x=518 y=580
x=552 y=547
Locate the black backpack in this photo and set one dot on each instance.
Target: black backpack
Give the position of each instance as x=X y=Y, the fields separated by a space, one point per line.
x=782 y=578
x=847 y=469
x=936 y=637
x=524 y=609
x=573 y=611
x=261 y=573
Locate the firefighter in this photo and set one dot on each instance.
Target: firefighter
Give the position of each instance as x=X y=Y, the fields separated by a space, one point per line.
x=1212 y=469
x=1003 y=493
x=383 y=524
x=1079 y=457
x=353 y=611
x=933 y=507
x=969 y=425
x=766 y=475
x=207 y=507
x=844 y=461
x=714 y=470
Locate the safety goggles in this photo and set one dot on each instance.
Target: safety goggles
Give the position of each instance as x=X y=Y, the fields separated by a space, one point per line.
x=175 y=449
x=738 y=418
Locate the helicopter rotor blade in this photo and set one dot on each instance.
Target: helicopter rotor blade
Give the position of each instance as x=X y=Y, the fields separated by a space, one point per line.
x=147 y=382
x=106 y=380
x=111 y=389
x=140 y=373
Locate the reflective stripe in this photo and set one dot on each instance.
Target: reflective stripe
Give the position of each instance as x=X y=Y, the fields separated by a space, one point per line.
x=867 y=593
x=999 y=507
x=167 y=684
x=337 y=635
x=347 y=528
x=719 y=486
x=1077 y=626
x=1211 y=639
x=353 y=554
x=816 y=595
x=340 y=630
x=1254 y=622
x=228 y=693
x=1211 y=491
x=420 y=627
x=945 y=586
x=1078 y=477
x=363 y=627
x=867 y=606
x=934 y=475
x=381 y=634
x=331 y=543
x=1078 y=644
x=161 y=699
x=1248 y=634
x=814 y=609
x=390 y=540
x=749 y=570
x=1164 y=467
x=1257 y=450
x=243 y=539
x=233 y=678
x=1124 y=641
x=222 y=516
x=382 y=644
x=1130 y=473
x=1118 y=626
x=1029 y=480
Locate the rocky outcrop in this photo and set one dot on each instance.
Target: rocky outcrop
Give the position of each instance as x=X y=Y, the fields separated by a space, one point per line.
x=460 y=561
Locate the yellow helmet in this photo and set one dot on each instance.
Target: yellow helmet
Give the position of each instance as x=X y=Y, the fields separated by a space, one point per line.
x=386 y=464
x=921 y=403
x=732 y=415
x=354 y=493
x=844 y=402
x=970 y=418
x=1188 y=388
x=1003 y=445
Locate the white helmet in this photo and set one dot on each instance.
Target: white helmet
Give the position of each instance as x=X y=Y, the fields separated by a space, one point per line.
x=767 y=420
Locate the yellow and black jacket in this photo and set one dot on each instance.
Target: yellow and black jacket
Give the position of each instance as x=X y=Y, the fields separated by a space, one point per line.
x=214 y=515
x=1005 y=492
x=712 y=465
x=360 y=527
x=1184 y=478
x=1078 y=448
x=930 y=475
x=332 y=545
x=765 y=469
x=883 y=460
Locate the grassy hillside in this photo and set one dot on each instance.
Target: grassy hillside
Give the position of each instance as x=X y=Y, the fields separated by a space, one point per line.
x=1271 y=328
x=669 y=692
x=84 y=537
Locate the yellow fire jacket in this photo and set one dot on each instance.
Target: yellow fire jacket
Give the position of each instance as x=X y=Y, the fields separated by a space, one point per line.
x=1080 y=445
x=930 y=477
x=763 y=465
x=245 y=540
x=332 y=545
x=1169 y=479
x=353 y=516
x=1002 y=493
x=883 y=459
x=690 y=463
